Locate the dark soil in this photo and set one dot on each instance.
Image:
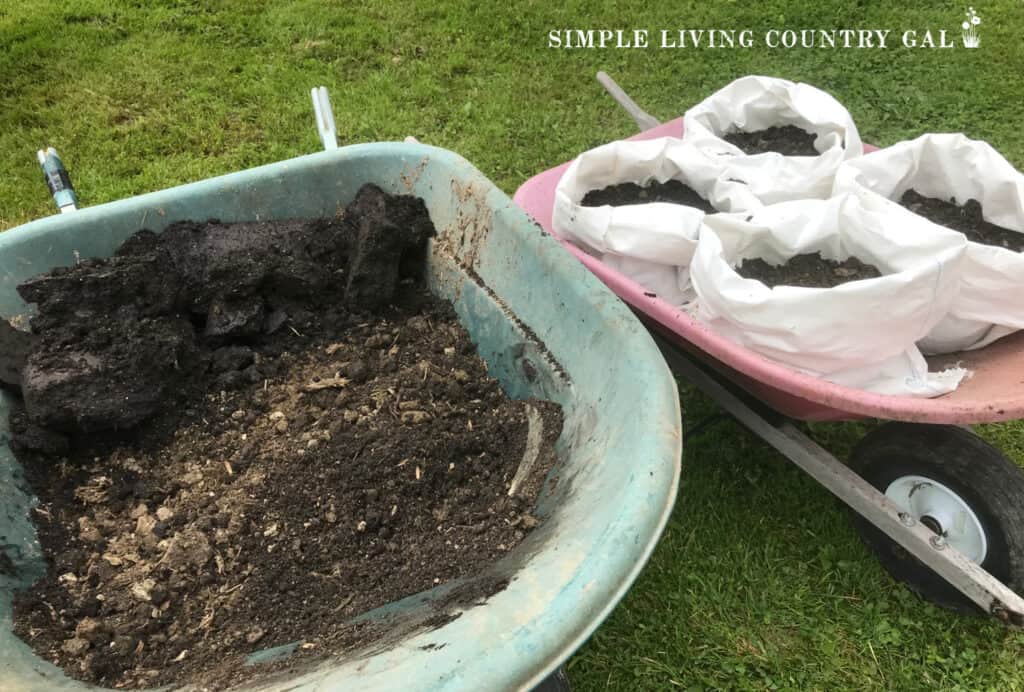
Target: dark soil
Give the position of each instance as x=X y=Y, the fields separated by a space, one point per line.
x=788 y=141
x=324 y=440
x=14 y=349
x=967 y=219
x=808 y=271
x=120 y=339
x=630 y=193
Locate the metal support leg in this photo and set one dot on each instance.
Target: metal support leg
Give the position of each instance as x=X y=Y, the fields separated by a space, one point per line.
x=969 y=578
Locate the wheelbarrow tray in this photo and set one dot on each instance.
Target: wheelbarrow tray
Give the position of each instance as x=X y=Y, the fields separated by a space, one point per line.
x=995 y=391
x=546 y=328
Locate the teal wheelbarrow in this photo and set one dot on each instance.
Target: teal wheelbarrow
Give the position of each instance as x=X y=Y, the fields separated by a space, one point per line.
x=546 y=327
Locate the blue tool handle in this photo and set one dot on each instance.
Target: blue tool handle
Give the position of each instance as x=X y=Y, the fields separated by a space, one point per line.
x=58 y=180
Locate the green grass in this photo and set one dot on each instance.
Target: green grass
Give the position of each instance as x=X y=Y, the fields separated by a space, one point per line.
x=759 y=581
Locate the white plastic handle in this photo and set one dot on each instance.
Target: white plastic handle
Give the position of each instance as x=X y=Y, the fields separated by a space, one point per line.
x=643 y=119
x=324 y=118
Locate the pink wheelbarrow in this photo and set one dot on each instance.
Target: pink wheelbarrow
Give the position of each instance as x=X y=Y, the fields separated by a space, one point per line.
x=941 y=509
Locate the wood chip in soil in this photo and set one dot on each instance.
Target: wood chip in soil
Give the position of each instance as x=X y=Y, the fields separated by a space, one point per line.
x=789 y=140
x=316 y=468
x=672 y=191
x=807 y=271
x=968 y=219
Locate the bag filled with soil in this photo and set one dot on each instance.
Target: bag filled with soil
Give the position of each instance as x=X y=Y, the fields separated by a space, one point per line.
x=762 y=140
x=817 y=285
x=965 y=185
x=635 y=207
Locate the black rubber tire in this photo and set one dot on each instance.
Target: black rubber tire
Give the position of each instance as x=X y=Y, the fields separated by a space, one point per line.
x=991 y=484
x=556 y=682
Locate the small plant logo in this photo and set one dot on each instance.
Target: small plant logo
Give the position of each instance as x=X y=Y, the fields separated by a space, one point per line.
x=970 y=29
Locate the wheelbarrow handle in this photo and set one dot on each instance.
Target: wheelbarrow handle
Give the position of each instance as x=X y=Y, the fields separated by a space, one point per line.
x=324 y=115
x=58 y=180
x=643 y=119
x=324 y=118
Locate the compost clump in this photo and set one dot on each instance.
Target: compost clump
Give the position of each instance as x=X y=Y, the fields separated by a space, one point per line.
x=244 y=435
x=118 y=339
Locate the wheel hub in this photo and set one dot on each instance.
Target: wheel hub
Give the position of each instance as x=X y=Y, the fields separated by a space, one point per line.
x=933 y=524
x=943 y=511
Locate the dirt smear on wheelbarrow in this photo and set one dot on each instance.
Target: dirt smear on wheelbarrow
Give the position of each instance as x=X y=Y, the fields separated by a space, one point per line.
x=244 y=436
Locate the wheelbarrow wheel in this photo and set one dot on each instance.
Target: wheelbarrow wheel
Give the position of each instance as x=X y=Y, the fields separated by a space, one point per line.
x=958 y=486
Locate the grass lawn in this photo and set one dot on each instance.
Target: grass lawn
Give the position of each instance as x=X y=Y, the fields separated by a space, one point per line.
x=759 y=581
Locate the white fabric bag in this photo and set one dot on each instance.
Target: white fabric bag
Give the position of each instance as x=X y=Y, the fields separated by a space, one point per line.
x=740 y=181
x=651 y=243
x=945 y=166
x=860 y=334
